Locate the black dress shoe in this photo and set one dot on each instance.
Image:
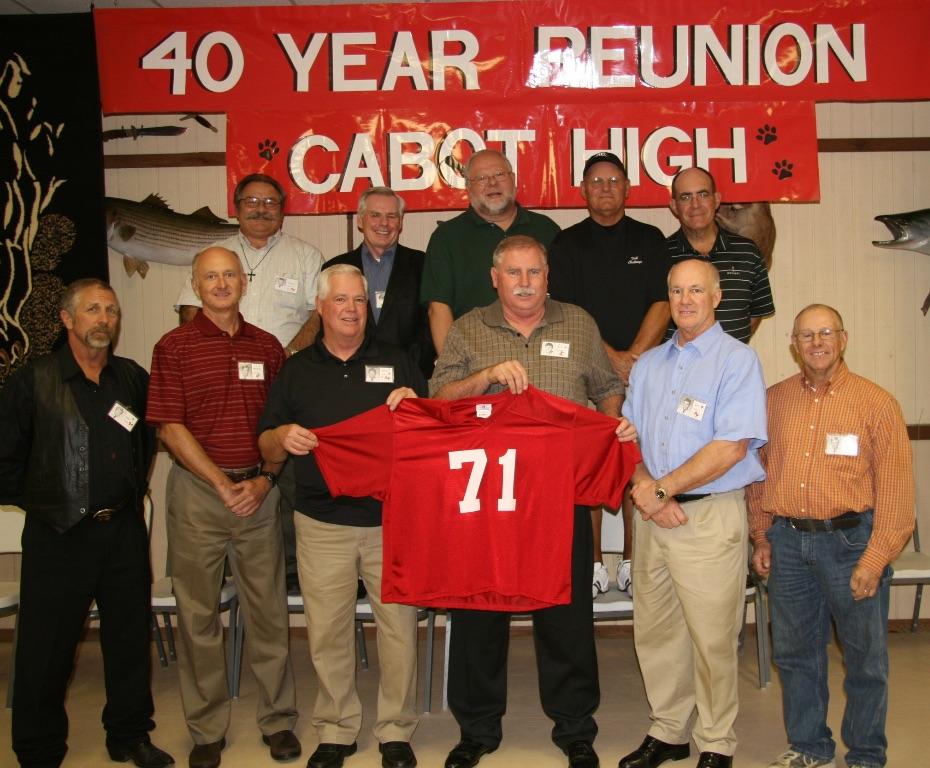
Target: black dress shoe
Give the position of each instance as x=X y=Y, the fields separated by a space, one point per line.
x=206 y=755
x=143 y=753
x=653 y=752
x=466 y=754
x=283 y=746
x=714 y=760
x=397 y=754
x=331 y=755
x=582 y=755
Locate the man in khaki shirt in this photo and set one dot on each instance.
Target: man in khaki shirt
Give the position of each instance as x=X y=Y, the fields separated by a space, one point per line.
x=836 y=508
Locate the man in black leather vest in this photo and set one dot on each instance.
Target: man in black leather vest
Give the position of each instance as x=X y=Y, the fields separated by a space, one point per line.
x=75 y=453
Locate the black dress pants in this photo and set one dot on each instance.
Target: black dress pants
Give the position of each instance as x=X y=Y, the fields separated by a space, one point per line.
x=566 y=659
x=62 y=573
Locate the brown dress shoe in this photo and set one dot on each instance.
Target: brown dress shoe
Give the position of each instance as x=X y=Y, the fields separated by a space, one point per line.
x=283 y=746
x=206 y=755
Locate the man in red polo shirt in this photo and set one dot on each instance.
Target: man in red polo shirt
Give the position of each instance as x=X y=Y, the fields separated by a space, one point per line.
x=209 y=381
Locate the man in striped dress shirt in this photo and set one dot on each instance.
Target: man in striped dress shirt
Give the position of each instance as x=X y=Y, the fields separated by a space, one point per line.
x=836 y=508
x=747 y=295
x=210 y=378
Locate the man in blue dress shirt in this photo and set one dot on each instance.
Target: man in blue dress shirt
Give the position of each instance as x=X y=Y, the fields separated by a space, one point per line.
x=698 y=402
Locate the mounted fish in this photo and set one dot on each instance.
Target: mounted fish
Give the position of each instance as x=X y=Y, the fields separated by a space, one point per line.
x=752 y=220
x=151 y=231
x=911 y=232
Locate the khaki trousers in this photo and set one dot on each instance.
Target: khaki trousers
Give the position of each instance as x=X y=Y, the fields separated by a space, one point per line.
x=201 y=532
x=330 y=560
x=688 y=596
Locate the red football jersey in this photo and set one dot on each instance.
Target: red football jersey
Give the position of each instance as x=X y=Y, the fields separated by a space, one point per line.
x=478 y=493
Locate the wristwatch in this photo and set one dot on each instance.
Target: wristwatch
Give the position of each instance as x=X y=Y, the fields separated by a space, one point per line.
x=271 y=477
x=661 y=493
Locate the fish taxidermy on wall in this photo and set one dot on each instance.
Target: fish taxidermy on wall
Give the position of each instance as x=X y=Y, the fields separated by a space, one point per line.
x=150 y=231
x=911 y=232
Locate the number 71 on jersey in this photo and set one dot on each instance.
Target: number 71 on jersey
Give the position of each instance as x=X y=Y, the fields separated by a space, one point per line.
x=478 y=458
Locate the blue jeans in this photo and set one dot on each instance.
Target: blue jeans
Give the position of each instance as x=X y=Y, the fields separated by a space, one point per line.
x=809 y=586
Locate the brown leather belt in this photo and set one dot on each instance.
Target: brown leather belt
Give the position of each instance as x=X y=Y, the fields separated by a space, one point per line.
x=684 y=498
x=812 y=525
x=238 y=475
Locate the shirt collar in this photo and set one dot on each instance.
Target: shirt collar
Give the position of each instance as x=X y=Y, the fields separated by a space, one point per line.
x=839 y=378
x=208 y=328
x=271 y=242
x=493 y=315
x=683 y=245
x=387 y=257
x=320 y=354
x=476 y=220
x=69 y=367
x=702 y=343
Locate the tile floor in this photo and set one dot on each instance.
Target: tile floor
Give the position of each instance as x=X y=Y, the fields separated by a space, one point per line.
x=623 y=715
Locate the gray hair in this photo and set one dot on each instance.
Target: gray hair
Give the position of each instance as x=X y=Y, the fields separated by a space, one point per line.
x=326 y=276
x=258 y=177
x=69 y=299
x=384 y=192
x=518 y=242
x=484 y=152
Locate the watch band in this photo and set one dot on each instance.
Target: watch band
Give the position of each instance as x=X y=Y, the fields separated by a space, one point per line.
x=271 y=476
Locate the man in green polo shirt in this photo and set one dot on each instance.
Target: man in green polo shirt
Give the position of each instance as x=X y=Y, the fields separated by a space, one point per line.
x=456 y=274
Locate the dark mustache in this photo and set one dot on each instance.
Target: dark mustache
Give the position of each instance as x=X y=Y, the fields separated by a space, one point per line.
x=260 y=215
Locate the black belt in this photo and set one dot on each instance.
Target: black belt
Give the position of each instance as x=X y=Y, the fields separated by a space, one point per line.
x=812 y=525
x=105 y=514
x=684 y=498
x=238 y=475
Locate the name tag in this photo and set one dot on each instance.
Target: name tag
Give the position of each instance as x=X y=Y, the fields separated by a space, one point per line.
x=251 y=371
x=484 y=410
x=285 y=284
x=379 y=299
x=842 y=445
x=123 y=416
x=691 y=407
x=379 y=374
x=554 y=348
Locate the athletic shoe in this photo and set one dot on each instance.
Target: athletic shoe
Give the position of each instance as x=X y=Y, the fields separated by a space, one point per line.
x=795 y=759
x=601 y=580
x=625 y=576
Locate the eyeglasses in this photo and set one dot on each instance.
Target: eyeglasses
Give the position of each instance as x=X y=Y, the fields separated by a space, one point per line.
x=485 y=179
x=600 y=181
x=254 y=202
x=825 y=334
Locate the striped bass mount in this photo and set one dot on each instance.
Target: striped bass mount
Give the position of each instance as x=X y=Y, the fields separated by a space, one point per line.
x=151 y=231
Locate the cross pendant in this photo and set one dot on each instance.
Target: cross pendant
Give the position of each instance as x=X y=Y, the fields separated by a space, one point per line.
x=251 y=275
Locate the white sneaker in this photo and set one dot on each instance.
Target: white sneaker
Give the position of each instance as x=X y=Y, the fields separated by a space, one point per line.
x=793 y=759
x=625 y=576
x=601 y=580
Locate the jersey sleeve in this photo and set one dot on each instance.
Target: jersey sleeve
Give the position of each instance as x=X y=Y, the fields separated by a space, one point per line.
x=603 y=465
x=356 y=456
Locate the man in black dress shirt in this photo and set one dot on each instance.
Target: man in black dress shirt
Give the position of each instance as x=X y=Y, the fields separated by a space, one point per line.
x=75 y=454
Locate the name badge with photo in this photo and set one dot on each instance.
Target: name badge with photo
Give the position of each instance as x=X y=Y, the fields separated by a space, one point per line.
x=123 y=416
x=251 y=371
x=691 y=407
x=554 y=348
x=285 y=284
x=842 y=445
x=379 y=299
x=379 y=374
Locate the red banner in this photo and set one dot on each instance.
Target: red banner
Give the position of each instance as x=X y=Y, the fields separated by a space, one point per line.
x=332 y=98
x=756 y=151
x=483 y=54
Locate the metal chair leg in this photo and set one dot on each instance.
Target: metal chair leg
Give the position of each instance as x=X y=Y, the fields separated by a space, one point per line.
x=917 y=598
x=159 y=644
x=428 y=677
x=360 y=642
x=169 y=634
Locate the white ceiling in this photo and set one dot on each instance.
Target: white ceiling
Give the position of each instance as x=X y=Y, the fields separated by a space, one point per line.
x=78 y=6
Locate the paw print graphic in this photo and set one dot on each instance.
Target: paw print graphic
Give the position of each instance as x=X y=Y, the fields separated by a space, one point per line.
x=782 y=169
x=268 y=149
x=767 y=134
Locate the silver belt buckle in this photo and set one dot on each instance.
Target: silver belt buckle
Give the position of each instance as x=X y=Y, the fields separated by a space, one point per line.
x=104 y=515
